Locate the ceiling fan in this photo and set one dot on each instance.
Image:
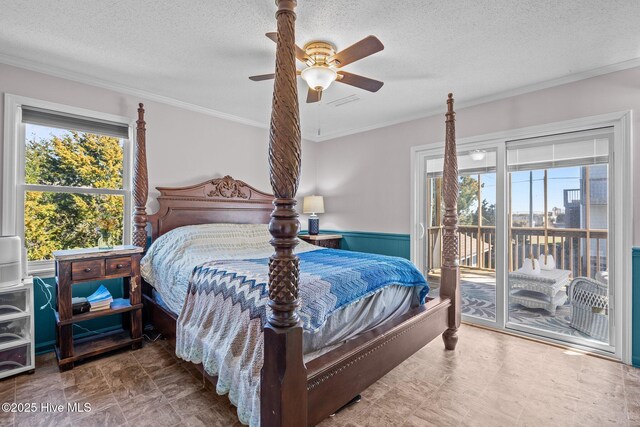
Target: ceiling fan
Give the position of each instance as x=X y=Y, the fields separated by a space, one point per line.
x=324 y=63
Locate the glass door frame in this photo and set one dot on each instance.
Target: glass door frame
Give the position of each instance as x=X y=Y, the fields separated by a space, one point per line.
x=620 y=216
x=605 y=348
x=420 y=155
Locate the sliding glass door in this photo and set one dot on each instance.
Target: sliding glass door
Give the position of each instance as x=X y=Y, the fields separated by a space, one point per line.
x=536 y=242
x=559 y=237
x=476 y=230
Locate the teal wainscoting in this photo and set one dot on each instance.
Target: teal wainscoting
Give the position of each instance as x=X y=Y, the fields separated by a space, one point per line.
x=635 y=301
x=377 y=243
x=45 y=324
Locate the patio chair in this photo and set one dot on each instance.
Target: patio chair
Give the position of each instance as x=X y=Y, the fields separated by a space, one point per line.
x=589 y=301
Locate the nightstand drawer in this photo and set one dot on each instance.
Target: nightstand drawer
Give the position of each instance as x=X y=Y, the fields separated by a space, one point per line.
x=328 y=243
x=117 y=266
x=90 y=269
x=325 y=240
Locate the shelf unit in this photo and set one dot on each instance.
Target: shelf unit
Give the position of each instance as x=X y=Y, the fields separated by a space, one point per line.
x=17 y=346
x=119 y=305
x=85 y=265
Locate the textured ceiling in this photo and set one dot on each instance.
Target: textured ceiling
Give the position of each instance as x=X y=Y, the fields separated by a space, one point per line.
x=202 y=51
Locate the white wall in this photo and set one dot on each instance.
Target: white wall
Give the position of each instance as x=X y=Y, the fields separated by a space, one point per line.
x=366 y=177
x=183 y=147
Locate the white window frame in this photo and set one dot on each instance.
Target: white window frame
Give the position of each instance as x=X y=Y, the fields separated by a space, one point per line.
x=620 y=214
x=13 y=179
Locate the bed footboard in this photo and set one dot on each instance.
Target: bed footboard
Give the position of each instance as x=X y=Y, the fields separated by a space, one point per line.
x=337 y=376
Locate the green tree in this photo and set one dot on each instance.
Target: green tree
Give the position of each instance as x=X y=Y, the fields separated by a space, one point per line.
x=56 y=220
x=468 y=200
x=488 y=213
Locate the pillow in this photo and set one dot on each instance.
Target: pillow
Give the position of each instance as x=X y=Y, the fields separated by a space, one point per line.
x=547 y=262
x=603 y=277
x=170 y=260
x=530 y=266
x=186 y=247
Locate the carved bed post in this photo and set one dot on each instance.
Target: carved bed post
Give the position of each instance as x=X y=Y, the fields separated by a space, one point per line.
x=140 y=183
x=283 y=379
x=450 y=277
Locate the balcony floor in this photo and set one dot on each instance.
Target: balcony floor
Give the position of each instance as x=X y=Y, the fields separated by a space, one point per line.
x=479 y=300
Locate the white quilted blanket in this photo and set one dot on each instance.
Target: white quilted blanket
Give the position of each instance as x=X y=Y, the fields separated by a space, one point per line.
x=171 y=259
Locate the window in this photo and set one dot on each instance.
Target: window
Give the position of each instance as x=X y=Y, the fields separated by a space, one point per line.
x=70 y=182
x=559 y=200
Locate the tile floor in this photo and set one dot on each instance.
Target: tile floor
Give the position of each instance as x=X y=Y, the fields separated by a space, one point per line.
x=491 y=379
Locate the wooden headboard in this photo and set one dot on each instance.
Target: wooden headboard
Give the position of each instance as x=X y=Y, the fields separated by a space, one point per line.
x=220 y=200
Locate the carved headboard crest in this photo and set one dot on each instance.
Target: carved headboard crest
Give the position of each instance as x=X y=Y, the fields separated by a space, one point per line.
x=226 y=189
x=229 y=188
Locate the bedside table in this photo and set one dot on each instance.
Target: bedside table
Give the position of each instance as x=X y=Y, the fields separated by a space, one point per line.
x=93 y=264
x=325 y=240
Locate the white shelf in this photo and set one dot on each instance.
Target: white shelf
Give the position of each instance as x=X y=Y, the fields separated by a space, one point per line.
x=26 y=287
x=12 y=344
x=13 y=316
x=9 y=289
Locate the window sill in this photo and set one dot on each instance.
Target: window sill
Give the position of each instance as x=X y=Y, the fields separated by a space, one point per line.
x=41 y=269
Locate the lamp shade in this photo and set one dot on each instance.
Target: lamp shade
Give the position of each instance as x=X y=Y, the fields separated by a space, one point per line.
x=313 y=204
x=319 y=78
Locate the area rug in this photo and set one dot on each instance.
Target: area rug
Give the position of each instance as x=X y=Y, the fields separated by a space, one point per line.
x=479 y=300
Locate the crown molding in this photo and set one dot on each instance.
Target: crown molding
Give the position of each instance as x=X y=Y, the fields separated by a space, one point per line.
x=116 y=87
x=570 y=78
x=123 y=89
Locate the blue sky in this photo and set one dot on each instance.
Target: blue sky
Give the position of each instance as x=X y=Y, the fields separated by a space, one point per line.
x=42 y=132
x=560 y=179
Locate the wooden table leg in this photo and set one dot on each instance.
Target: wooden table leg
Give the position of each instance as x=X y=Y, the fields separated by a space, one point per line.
x=135 y=297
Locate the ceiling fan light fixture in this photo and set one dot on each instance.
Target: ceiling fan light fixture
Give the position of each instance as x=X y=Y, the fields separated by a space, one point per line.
x=319 y=77
x=477 y=155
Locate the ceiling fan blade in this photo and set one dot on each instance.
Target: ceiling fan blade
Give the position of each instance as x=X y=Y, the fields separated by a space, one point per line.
x=365 y=47
x=300 y=54
x=273 y=36
x=359 y=81
x=262 y=77
x=313 y=96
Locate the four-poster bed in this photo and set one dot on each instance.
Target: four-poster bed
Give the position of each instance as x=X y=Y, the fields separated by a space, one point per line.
x=294 y=393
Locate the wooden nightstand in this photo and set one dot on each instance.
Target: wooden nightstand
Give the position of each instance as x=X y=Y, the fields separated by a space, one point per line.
x=85 y=265
x=325 y=240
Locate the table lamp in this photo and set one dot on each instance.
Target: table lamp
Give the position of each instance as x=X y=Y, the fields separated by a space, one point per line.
x=313 y=205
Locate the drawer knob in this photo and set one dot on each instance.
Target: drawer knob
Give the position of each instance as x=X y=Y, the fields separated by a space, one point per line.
x=120 y=266
x=88 y=269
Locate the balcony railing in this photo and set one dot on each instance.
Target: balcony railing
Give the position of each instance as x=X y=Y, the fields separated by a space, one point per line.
x=582 y=251
x=476 y=246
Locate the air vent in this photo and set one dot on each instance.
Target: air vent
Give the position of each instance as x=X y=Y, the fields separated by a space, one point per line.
x=343 y=101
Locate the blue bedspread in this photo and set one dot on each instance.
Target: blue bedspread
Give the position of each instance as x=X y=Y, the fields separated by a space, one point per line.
x=329 y=279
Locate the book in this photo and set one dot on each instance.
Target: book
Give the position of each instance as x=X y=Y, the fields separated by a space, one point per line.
x=101 y=299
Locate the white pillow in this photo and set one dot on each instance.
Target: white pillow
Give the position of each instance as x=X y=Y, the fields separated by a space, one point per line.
x=603 y=277
x=530 y=266
x=550 y=263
